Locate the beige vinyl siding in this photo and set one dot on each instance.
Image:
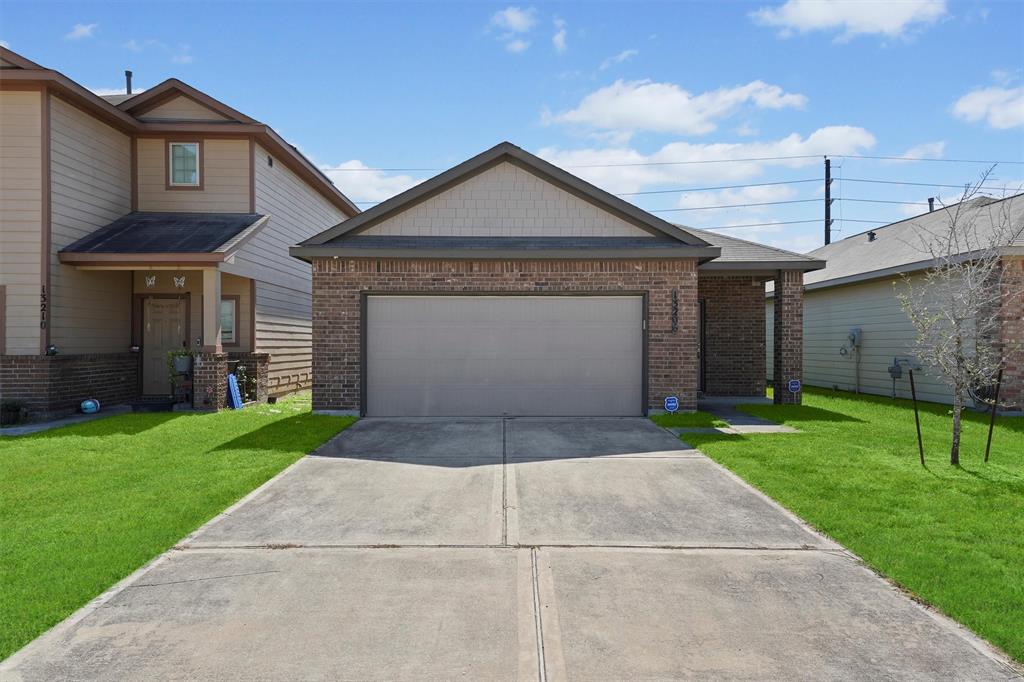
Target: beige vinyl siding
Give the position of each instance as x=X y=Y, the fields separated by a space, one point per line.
x=90 y=187
x=886 y=333
x=21 y=216
x=181 y=108
x=506 y=201
x=283 y=283
x=224 y=176
x=284 y=328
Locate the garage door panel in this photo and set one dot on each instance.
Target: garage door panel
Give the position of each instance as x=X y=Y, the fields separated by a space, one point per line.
x=514 y=355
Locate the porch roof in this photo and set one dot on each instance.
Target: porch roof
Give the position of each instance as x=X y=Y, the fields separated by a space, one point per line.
x=161 y=236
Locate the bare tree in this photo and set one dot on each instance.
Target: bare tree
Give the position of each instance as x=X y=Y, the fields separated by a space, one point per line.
x=955 y=305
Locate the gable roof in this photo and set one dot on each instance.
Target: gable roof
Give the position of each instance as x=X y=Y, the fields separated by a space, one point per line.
x=897 y=247
x=505 y=152
x=24 y=70
x=137 y=105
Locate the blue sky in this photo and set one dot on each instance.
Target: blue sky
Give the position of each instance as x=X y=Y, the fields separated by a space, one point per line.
x=426 y=85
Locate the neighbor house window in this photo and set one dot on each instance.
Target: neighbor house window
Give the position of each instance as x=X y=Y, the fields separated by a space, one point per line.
x=184 y=159
x=228 y=317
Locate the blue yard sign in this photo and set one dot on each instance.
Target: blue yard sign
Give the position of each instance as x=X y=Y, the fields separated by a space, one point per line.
x=794 y=385
x=671 y=403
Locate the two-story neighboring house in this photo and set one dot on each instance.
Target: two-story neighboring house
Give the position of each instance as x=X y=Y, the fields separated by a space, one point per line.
x=133 y=225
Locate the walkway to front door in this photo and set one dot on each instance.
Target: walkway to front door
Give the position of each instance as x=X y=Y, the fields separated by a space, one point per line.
x=491 y=549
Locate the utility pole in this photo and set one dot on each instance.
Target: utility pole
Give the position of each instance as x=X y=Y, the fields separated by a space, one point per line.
x=828 y=201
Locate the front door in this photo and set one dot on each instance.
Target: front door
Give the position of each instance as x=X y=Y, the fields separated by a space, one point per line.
x=163 y=330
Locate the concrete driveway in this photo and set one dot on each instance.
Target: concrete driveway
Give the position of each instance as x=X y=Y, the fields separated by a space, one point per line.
x=490 y=549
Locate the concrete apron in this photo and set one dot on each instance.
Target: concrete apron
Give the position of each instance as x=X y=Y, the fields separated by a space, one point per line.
x=505 y=549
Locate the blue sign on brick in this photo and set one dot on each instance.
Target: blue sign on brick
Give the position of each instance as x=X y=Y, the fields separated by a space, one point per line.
x=671 y=403
x=794 y=385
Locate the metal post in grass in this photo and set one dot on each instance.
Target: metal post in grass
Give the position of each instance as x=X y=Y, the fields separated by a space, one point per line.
x=992 y=419
x=917 y=420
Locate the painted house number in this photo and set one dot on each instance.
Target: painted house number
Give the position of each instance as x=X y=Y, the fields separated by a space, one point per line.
x=43 y=306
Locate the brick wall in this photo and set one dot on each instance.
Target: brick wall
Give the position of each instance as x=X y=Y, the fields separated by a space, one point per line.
x=57 y=384
x=257 y=365
x=788 y=334
x=1012 y=333
x=338 y=283
x=734 y=336
x=210 y=381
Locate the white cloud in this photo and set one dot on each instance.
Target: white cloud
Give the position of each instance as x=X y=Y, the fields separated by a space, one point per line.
x=102 y=92
x=1001 y=108
x=80 y=31
x=515 y=19
x=367 y=185
x=183 y=55
x=667 y=108
x=558 y=40
x=619 y=58
x=925 y=150
x=891 y=19
x=133 y=45
x=516 y=46
x=836 y=140
x=4 y=43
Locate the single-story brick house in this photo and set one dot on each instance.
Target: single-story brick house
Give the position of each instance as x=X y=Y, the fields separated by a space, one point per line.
x=507 y=286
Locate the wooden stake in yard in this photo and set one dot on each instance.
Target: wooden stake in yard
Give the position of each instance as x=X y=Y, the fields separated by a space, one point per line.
x=917 y=420
x=992 y=419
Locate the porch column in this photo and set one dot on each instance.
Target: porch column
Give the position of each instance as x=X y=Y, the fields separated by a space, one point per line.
x=211 y=311
x=788 y=334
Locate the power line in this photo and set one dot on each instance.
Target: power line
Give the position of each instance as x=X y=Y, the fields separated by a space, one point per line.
x=916 y=184
x=922 y=158
x=762 y=203
x=632 y=164
x=709 y=189
x=787 y=222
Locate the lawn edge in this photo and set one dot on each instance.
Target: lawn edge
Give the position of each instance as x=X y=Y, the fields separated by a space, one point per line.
x=11 y=662
x=978 y=642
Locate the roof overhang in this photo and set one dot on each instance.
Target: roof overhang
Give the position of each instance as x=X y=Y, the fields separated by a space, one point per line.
x=122 y=261
x=308 y=253
x=761 y=267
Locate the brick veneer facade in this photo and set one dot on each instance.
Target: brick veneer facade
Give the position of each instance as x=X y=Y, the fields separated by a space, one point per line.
x=257 y=366
x=1012 y=333
x=210 y=381
x=788 y=334
x=338 y=285
x=51 y=385
x=734 y=338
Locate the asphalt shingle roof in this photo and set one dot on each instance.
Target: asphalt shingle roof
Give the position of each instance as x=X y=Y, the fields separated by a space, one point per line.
x=166 y=233
x=736 y=250
x=898 y=247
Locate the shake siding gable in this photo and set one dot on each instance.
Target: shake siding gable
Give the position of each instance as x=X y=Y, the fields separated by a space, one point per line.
x=181 y=108
x=506 y=201
x=225 y=177
x=21 y=178
x=90 y=187
x=283 y=286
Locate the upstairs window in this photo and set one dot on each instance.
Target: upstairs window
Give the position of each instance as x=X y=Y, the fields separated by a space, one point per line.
x=184 y=160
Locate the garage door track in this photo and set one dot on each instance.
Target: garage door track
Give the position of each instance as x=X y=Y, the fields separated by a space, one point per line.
x=493 y=549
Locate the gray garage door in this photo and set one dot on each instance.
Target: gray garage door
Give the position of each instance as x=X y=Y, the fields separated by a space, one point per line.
x=504 y=355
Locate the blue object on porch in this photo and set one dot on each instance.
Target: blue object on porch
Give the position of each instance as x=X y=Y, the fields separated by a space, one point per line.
x=90 y=406
x=234 y=395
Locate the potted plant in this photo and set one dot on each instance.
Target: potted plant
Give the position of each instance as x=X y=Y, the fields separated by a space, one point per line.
x=178 y=362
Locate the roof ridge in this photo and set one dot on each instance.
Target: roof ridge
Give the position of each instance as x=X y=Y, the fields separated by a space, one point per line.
x=747 y=241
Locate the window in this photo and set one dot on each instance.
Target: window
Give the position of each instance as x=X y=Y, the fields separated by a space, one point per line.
x=184 y=159
x=228 y=315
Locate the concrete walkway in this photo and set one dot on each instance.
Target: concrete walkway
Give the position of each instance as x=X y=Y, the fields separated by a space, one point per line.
x=492 y=549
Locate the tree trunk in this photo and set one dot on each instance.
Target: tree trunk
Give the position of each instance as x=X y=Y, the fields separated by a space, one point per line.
x=958 y=406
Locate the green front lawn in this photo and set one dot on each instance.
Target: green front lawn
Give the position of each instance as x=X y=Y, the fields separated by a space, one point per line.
x=952 y=536
x=83 y=506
